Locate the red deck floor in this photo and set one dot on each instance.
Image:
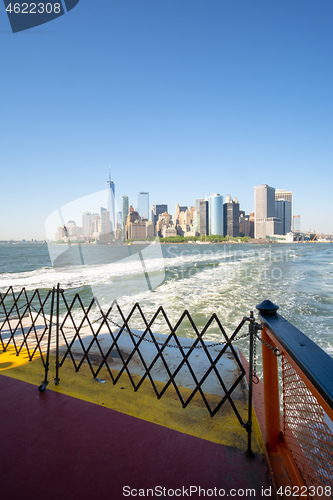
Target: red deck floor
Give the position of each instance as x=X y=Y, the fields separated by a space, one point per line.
x=56 y=446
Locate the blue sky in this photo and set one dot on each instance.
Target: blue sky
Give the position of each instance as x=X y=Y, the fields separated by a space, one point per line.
x=182 y=98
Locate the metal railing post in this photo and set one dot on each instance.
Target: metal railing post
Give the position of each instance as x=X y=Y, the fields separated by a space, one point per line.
x=56 y=380
x=248 y=425
x=271 y=383
x=45 y=382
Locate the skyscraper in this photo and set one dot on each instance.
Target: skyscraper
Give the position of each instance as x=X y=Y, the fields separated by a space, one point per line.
x=125 y=212
x=216 y=214
x=160 y=209
x=266 y=222
x=282 y=194
x=143 y=205
x=111 y=201
x=283 y=212
x=231 y=217
x=86 y=222
x=196 y=222
x=203 y=217
x=105 y=225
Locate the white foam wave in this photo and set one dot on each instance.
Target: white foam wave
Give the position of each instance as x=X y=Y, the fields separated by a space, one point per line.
x=228 y=283
x=81 y=275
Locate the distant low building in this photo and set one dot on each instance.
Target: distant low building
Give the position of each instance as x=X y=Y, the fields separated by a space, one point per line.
x=297 y=223
x=164 y=226
x=251 y=221
x=168 y=232
x=244 y=224
x=136 y=228
x=61 y=233
x=156 y=211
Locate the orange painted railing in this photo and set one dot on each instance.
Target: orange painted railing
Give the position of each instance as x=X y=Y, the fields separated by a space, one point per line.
x=299 y=439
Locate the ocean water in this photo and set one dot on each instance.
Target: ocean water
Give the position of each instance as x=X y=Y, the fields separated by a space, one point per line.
x=226 y=279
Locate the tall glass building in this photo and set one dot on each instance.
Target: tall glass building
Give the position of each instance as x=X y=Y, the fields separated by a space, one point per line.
x=282 y=194
x=283 y=212
x=143 y=205
x=216 y=214
x=111 y=201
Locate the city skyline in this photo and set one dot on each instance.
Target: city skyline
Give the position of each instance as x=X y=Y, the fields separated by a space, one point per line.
x=239 y=94
x=278 y=205
x=272 y=217
x=272 y=207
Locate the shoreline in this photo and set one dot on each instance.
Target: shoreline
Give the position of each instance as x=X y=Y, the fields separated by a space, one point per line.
x=251 y=241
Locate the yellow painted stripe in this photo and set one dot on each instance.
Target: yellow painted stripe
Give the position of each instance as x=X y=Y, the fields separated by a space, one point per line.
x=223 y=428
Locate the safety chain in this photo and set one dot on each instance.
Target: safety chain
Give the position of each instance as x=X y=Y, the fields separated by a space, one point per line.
x=206 y=346
x=55 y=324
x=155 y=342
x=254 y=328
x=18 y=308
x=275 y=350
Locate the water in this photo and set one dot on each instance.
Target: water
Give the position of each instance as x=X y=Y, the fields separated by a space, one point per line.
x=228 y=279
